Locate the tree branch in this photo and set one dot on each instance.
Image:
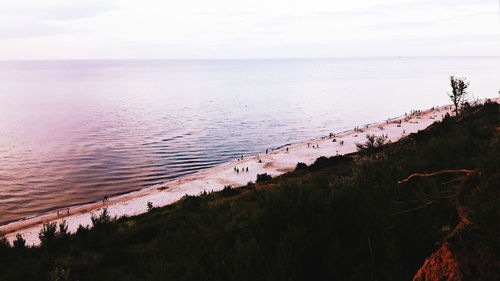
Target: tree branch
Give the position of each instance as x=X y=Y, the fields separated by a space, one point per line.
x=413 y=209
x=436 y=173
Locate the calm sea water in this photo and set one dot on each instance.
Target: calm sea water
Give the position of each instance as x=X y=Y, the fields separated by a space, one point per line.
x=73 y=131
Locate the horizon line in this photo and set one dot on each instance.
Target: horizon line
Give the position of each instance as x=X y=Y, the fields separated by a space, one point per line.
x=245 y=59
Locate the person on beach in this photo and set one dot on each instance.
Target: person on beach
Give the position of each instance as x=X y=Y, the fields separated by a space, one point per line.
x=267 y=150
x=247 y=169
x=67 y=211
x=287 y=149
x=237 y=170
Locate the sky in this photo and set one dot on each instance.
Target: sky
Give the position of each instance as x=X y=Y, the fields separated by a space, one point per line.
x=232 y=29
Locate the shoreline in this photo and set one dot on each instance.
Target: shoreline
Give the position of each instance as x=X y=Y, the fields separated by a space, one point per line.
x=118 y=194
x=278 y=161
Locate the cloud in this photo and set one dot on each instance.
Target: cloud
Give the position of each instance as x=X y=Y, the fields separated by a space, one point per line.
x=31 y=29
x=228 y=28
x=20 y=19
x=55 y=9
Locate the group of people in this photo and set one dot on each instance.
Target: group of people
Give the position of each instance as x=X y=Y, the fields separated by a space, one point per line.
x=267 y=152
x=357 y=129
x=243 y=170
x=314 y=145
x=340 y=142
x=415 y=112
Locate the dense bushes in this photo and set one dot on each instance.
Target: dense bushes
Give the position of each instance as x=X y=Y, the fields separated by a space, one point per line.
x=372 y=143
x=263 y=177
x=342 y=218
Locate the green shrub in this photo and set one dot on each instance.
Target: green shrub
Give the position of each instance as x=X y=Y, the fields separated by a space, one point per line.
x=263 y=177
x=301 y=166
x=19 y=243
x=372 y=143
x=48 y=233
x=228 y=190
x=102 y=219
x=63 y=229
x=4 y=246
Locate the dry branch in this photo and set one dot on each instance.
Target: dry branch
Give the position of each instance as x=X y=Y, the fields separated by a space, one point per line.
x=436 y=173
x=413 y=209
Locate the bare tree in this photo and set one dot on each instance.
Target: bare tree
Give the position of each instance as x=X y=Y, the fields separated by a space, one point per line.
x=459 y=91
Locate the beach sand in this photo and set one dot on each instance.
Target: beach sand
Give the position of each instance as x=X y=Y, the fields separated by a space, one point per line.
x=213 y=179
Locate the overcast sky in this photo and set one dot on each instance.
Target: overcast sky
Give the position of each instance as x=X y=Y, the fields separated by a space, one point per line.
x=79 y=29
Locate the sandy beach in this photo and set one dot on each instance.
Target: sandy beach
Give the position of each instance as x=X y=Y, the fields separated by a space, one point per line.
x=274 y=163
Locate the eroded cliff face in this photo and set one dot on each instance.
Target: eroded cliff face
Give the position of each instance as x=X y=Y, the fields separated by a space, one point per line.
x=442 y=265
x=461 y=257
x=467 y=253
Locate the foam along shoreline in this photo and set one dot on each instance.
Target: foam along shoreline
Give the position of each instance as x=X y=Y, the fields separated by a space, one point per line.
x=274 y=163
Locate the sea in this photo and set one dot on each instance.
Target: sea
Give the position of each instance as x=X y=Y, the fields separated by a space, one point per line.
x=74 y=131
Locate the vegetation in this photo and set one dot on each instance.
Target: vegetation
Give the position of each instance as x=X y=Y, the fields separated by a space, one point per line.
x=4 y=244
x=262 y=178
x=19 y=244
x=102 y=219
x=459 y=92
x=372 y=143
x=350 y=217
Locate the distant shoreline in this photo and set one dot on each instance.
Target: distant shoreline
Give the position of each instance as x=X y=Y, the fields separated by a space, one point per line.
x=247 y=59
